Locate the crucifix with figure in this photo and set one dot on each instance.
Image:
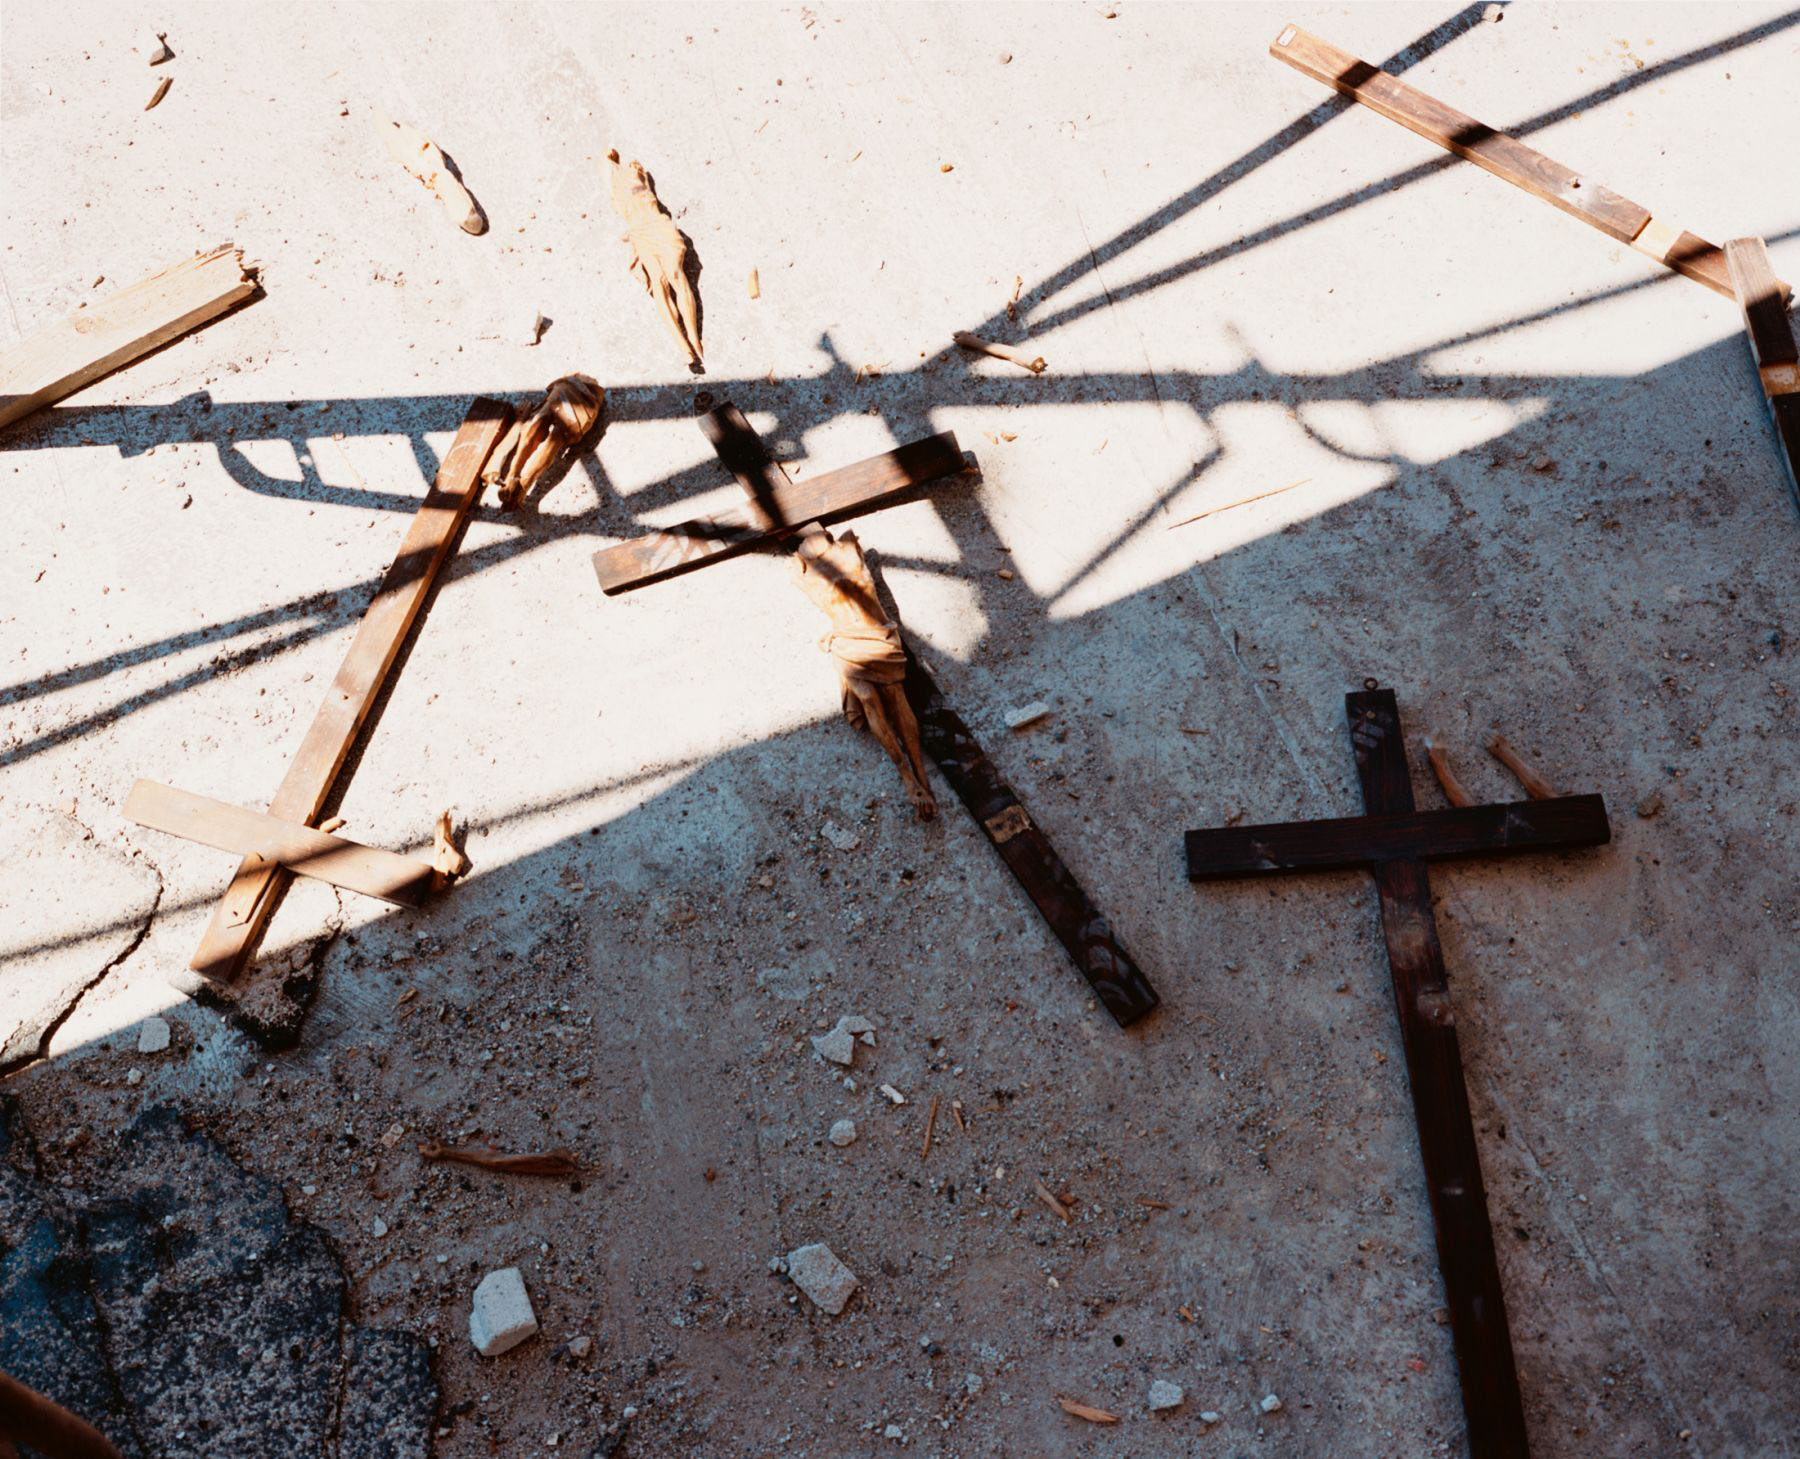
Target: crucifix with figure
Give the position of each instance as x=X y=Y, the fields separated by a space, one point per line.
x=1394 y=842
x=886 y=688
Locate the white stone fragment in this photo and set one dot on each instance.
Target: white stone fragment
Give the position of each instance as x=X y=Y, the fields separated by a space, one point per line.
x=153 y=1035
x=580 y=1347
x=1210 y=1416
x=134 y=1076
x=378 y=1227
x=501 y=1317
x=893 y=1431
x=1164 y=1395
x=893 y=1094
x=818 y=1273
x=1269 y=1403
x=1031 y=713
x=839 y=837
x=843 y=1133
x=836 y=1046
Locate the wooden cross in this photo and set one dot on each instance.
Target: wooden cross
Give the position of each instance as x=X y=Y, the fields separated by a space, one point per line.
x=1394 y=842
x=778 y=508
x=1761 y=296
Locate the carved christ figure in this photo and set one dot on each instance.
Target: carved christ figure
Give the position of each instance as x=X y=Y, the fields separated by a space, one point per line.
x=536 y=442
x=659 y=252
x=865 y=646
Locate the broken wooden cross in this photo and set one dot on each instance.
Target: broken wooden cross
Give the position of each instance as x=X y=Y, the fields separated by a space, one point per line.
x=1393 y=842
x=244 y=910
x=1759 y=295
x=777 y=509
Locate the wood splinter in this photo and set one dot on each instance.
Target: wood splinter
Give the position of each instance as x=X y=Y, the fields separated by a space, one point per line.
x=1454 y=791
x=864 y=644
x=1033 y=363
x=447 y=859
x=559 y=1163
x=660 y=253
x=1535 y=785
x=1086 y=1411
x=425 y=160
x=538 y=442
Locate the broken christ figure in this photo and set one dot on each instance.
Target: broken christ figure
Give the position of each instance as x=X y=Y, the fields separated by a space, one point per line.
x=865 y=646
x=659 y=253
x=536 y=442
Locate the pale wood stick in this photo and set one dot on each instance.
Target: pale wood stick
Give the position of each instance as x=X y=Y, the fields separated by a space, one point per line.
x=1033 y=363
x=550 y=1162
x=930 y=1125
x=1043 y=1194
x=1535 y=785
x=1082 y=1410
x=1440 y=767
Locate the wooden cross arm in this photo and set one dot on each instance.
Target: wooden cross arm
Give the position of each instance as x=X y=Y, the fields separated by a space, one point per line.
x=1759 y=294
x=402 y=880
x=1506 y=157
x=1362 y=841
x=366 y=869
x=824 y=498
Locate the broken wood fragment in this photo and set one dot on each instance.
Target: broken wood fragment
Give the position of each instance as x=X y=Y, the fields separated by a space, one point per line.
x=1535 y=785
x=1446 y=777
x=162 y=90
x=160 y=52
x=301 y=849
x=930 y=1125
x=1012 y=304
x=536 y=443
x=1772 y=347
x=1082 y=1410
x=755 y=284
x=1242 y=501
x=45 y=1427
x=660 y=253
x=1506 y=157
x=1153 y=1205
x=425 y=160
x=558 y=1163
x=1043 y=1194
x=1033 y=363
x=243 y=912
x=447 y=858
x=63 y=357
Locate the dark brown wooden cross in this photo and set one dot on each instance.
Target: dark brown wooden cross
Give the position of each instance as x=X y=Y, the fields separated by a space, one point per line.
x=1394 y=842
x=777 y=510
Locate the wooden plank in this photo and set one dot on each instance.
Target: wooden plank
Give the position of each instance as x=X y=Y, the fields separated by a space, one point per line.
x=1465 y=1238
x=1506 y=157
x=1772 y=346
x=302 y=850
x=1101 y=958
x=1354 y=841
x=824 y=498
x=63 y=357
x=764 y=480
x=243 y=912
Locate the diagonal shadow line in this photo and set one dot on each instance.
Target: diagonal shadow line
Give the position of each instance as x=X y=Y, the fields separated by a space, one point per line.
x=1392 y=183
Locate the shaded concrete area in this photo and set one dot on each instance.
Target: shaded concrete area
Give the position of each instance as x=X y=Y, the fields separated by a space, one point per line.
x=1531 y=488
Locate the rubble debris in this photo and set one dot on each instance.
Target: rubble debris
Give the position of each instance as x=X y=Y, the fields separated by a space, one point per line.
x=500 y=1317
x=843 y=1133
x=825 y=1280
x=1269 y=1403
x=162 y=90
x=1086 y=1411
x=1043 y=1194
x=537 y=442
x=425 y=160
x=894 y=1094
x=153 y=1035
x=1024 y=360
x=1164 y=1396
x=1650 y=805
x=558 y=1163
x=837 y=1046
x=160 y=52
x=1211 y=1416
x=839 y=837
x=660 y=253
x=1017 y=719
x=1012 y=304
x=535 y=331
x=866 y=649
x=755 y=284
x=447 y=858
x=580 y=1347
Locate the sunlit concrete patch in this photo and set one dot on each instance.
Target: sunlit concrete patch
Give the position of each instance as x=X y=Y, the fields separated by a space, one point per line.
x=70 y=907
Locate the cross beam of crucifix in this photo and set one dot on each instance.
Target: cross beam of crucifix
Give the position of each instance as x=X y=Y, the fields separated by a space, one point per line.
x=777 y=508
x=1393 y=843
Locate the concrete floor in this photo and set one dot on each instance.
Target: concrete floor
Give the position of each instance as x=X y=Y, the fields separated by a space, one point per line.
x=1537 y=493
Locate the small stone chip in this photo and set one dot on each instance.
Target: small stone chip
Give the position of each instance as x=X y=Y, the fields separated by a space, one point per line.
x=839 y=837
x=153 y=1035
x=1647 y=807
x=837 y=1046
x=843 y=1133
x=501 y=1317
x=1269 y=1403
x=893 y=1094
x=1027 y=714
x=1211 y=1416
x=1164 y=1395
x=580 y=1347
x=816 y=1271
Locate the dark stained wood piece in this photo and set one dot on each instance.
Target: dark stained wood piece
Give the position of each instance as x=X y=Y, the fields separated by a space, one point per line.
x=775 y=509
x=1098 y=954
x=1506 y=157
x=1759 y=294
x=1476 y=830
x=1465 y=1236
x=243 y=912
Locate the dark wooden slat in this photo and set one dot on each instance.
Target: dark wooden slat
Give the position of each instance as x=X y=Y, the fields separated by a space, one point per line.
x=1506 y=157
x=244 y=910
x=1465 y=1237
x=1117 y=981
x=824 y=498
x=1772 y=346
x=762 y=477
x=1354 y=841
